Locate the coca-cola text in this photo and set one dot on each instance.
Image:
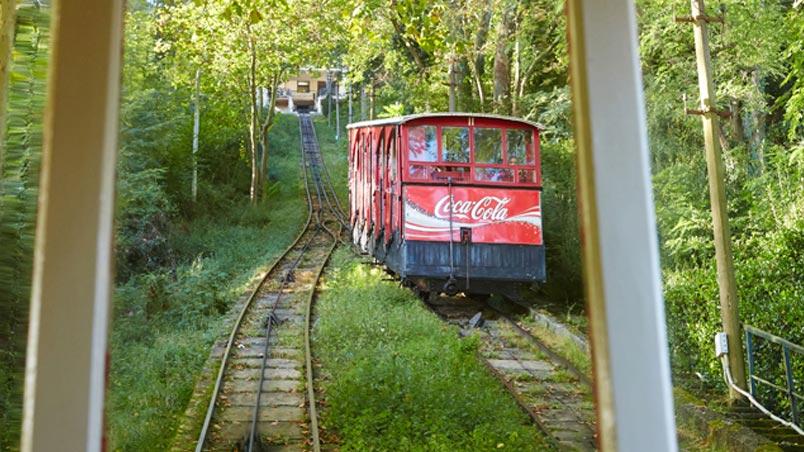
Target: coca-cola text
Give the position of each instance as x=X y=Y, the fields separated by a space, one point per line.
x=488 y=208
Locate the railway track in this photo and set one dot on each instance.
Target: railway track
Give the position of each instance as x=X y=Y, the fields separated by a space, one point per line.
x=262 y=395
x=555 y=394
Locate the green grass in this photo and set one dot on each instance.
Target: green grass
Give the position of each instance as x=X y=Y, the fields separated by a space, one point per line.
x=165 y=322
x=403 y=380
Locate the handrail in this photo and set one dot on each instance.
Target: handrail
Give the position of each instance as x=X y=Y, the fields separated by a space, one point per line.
x=793 y=398
x=775 y=339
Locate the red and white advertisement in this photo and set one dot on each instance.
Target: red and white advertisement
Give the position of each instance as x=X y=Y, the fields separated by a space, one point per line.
x=495 y=215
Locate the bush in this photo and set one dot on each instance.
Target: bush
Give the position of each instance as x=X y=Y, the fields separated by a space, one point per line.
x=560 y=223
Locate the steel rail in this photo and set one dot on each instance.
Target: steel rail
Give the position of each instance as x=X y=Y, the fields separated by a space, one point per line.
x=341 y=212
x=270 y=319
x=554 y=357
x=311 y=404
x=321 y=179
x=202 y=437
x=230 y=342
x=310 y=165
x=314 y=165
x=558 y=359
x=521 y=402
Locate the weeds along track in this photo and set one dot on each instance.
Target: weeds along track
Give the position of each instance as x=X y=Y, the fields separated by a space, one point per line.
x=555 y=394
x=262 y=395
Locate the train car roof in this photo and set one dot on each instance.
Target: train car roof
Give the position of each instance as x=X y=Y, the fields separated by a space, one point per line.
x=404 y=119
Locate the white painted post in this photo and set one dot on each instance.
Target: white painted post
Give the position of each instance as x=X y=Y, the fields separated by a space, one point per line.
x=196 y=126
x=620 y=252
x=65 y=377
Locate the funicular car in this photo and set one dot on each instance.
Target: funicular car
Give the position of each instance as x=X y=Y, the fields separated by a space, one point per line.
x=449 y=202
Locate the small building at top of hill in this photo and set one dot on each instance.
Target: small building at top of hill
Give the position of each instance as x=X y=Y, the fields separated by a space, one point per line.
x=303 y=92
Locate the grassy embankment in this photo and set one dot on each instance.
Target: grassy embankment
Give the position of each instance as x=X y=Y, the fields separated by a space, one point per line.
x=403 y=380
x=164 y=322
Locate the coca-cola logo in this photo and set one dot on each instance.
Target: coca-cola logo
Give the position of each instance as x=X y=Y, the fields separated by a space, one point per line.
x=487 y=208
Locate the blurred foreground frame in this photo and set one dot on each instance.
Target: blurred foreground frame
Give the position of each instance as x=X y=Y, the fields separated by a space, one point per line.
x=65 y=378
x=66 y=360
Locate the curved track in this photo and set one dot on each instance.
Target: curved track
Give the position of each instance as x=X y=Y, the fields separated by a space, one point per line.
x=256 y=399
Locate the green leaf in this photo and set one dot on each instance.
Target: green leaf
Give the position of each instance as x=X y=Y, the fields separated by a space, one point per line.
x=255 y=17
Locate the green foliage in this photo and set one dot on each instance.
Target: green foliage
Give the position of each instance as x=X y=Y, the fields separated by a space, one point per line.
x=19 y=188
x=560 y=223
x=145 y=212
x=402 y=379
x=763 y=173
x=412 y=50
x=166 y=319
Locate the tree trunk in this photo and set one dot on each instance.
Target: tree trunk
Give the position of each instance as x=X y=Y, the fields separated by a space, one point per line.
x=452 y=83
x=371 y=102
x=524 y=76
x=465 y=85
x=267 y=126
x=196 y=126
x=737 y=130
x=8 y=10
x=480 y=40
x=479 y=63
x=758 y=124
x=502 y=63
x=412 y=47
x=252 y=123
x=517 y=75
x=362 y=101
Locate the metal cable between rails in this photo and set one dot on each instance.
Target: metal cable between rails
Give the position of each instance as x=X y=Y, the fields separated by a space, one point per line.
x=306 y=164
x=269 y=322
x=316 y=203
x=341 y=212
x=202 y=437
x=319 y=170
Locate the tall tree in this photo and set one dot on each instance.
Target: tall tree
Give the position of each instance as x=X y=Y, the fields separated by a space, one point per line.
x=502 y=59
x=245 y=46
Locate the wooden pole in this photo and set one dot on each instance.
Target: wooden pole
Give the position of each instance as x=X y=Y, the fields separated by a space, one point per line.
x=717 y=195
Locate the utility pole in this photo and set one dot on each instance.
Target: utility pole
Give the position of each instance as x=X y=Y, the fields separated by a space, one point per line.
x=717 y=194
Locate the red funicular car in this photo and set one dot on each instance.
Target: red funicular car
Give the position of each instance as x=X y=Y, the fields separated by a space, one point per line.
x=449 y=202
